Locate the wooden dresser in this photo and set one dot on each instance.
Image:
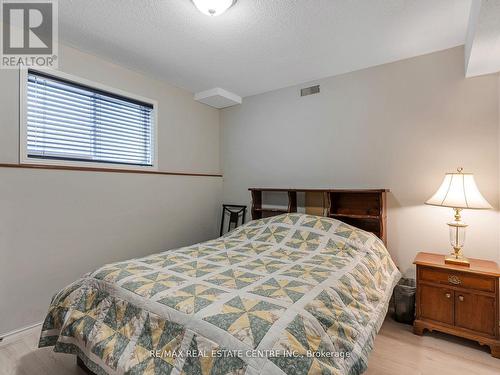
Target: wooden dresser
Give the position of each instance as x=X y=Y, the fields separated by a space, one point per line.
x=462 y=301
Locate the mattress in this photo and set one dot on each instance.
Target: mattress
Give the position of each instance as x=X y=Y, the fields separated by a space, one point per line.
x=291 y=294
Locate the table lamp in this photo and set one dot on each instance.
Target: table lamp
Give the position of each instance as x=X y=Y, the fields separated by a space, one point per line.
x=458 y=191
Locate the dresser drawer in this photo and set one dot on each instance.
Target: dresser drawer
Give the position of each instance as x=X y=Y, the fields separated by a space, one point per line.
x=460 y=279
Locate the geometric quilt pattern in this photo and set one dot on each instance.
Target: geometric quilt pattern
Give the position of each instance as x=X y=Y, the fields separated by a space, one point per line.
x=234 y=278
x=286 y=219
x=308 y=272
x=156 y=335
x=196 y=365
x=340 y=249
x=283 y=289
x=229 y=257
x=192 y=298
x=223 y=243
x=195 y=268
x=245 y=233
x=273 y=234
x=318 y=222
x=335 y=319
x=117 y=272
x=292 y=282
x=300 y=336
x=151 y=284
x=253 y=248
x=164 y=260
x=196 y=251
x=264 y=265
x=246 y=319
x=114 y=333
x=351 y=233
x=304 y=240
x=329 y=261
x=286 y=254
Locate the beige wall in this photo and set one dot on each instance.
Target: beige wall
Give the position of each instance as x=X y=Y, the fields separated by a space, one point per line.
x=58 y=225
x=399 y=126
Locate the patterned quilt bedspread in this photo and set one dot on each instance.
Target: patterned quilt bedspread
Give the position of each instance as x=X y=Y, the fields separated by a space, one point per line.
x=294 y=294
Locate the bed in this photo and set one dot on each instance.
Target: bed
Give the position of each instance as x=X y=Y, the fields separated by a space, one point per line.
x=289 y=294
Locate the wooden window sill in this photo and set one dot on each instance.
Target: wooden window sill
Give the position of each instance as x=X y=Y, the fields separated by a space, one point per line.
x=106 y=170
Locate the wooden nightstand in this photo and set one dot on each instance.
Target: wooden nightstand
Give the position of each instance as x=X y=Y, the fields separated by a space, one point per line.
x=462 y=301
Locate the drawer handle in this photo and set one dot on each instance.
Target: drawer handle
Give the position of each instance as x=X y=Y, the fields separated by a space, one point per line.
x=452 y=279
x=448 y=295
x=461 y=298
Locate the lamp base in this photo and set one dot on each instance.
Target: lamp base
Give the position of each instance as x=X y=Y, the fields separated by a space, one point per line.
x=457 y=260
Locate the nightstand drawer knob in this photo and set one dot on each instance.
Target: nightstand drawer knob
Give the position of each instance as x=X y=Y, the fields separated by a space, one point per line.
x=448 y=295
x=461 y=298
x=452 y=279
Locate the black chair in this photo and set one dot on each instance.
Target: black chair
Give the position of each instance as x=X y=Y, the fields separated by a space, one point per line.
x=234 y=212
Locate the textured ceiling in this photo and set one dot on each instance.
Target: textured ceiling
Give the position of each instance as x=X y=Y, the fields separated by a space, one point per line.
x=260 y=45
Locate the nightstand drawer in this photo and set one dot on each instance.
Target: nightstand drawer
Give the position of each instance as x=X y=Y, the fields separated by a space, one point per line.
x=460 y=279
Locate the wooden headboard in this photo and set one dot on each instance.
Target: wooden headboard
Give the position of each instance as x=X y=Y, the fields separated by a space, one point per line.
x=363 y=208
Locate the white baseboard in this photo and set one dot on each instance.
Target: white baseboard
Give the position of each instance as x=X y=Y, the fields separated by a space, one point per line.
x=4 y=336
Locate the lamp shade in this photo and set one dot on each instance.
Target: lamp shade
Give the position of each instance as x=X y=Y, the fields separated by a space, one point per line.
x=459 y=190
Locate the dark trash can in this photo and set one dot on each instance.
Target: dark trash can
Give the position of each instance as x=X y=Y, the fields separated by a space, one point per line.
x=404 y=300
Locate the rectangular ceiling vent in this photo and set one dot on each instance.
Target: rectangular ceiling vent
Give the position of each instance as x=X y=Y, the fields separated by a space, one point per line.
x=309 y=90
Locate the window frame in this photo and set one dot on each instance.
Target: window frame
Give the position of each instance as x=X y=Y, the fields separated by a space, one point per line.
x=23 y=123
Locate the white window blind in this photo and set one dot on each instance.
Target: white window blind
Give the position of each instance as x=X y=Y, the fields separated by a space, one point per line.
x=70 y=121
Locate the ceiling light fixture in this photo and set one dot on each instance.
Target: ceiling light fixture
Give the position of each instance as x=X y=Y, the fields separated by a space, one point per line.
x=213 y=7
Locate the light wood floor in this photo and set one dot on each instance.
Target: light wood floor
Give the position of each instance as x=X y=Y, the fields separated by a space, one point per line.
x=397 y=352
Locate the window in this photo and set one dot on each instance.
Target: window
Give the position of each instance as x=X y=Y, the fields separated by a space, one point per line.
x=66 y=121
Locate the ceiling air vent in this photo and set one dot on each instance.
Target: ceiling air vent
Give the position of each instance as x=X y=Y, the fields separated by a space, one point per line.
x=217 y=98
x=309 y=90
